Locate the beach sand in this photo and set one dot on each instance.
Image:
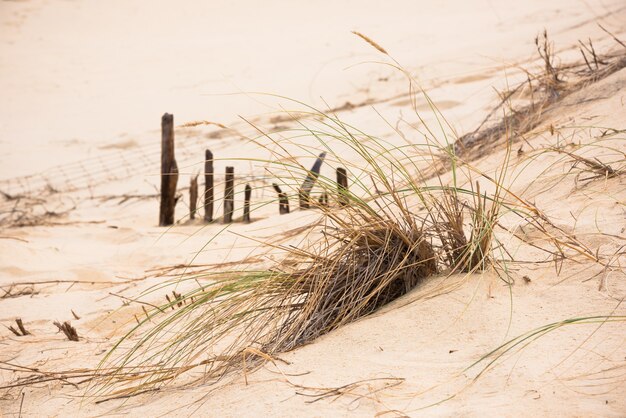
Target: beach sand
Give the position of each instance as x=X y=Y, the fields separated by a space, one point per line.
x=84 y=85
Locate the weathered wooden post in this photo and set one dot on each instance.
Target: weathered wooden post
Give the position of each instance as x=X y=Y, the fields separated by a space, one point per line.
x=342 y=185
x=169 y=172
x=208 y=186
x=246 y=204
x=309 y=182
x=323 y=199
x=283 y=200
x=229 y=195
x=193 y=196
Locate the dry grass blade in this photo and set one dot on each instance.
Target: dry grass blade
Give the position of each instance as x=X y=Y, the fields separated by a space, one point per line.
x=523 y=340
x=370 y=41
x=612 y=36
x=600 y=169
x=35 y=376
x=350 y=389
x=201 y=123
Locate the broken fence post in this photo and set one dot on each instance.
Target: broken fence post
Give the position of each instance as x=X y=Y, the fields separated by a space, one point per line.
x=283 y=200
x=229 y=195
x=309 y=182
x=246 y=204
x=193 y=196
x=342 y=185
x=208 y=186
x=169 y=172
x=21 y=330
x=323 y=199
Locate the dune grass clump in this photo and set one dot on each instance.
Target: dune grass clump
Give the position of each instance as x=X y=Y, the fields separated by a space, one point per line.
x=375 y=242
x=463 y=253
x=374 y=263
x=394 y=227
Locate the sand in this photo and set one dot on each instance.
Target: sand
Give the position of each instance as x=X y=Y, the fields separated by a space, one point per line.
x=84 y=87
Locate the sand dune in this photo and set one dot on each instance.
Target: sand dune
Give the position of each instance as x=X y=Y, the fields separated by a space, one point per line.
x=84 y=86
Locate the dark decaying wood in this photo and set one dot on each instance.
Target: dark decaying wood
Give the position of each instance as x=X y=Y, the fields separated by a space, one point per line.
x=323 y=199
x=20 y=325
x=208 y=186
x=342 y=185
x=21 y=330
x=229 y=195
x=67 y=329
x=193 y=196
x=246 y=204
x=309 y=182
x=169 y=172
x=283 y=200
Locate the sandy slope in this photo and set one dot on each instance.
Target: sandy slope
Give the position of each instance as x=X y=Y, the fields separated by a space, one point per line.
x=85 y=84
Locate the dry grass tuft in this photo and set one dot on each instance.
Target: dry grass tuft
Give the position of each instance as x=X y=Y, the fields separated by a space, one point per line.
x=372 y=265
x=593 y=168
x=27 y=211
x=546 y=88
x=67 y=329
x=466 y=254
x=358 y=390
x=21 y=330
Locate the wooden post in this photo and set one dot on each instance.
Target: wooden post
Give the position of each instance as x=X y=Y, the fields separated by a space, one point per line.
x=229 y=195
x=193 y=196
x=309 y=182
x=208 y=186
x=342 y=185
x=246 y=204
x=323 y=199
x=169 y=172
x=283 y=200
